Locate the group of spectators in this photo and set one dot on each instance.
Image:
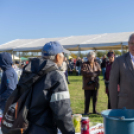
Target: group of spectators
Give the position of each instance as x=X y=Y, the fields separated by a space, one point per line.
x=118 y=75
x=50 y=94
x=90 y=71
x=68 y=66
x=51 y=99
x=75 y=64
x=17 y=66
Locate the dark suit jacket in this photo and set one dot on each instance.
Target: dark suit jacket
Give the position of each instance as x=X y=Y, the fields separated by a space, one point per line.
x=122 y=73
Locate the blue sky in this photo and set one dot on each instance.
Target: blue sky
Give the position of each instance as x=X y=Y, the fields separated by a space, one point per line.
x=26 y=19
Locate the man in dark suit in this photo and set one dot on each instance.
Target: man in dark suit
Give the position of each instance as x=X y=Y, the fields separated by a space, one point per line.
x=122 y=73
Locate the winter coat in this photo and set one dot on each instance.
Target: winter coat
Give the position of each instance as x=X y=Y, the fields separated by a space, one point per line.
x=9 y=78
x=50 y=102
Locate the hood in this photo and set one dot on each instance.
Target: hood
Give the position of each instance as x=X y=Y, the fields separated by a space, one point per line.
x=38 y=64
x=5 y=61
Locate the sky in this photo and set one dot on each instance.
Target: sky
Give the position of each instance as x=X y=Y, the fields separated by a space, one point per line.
x=30 y=19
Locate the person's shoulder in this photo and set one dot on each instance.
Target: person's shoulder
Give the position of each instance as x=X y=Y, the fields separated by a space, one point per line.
x=122 y=57
x=85 y=63
x=11 y=74
x=97 y=64
x=56 y=75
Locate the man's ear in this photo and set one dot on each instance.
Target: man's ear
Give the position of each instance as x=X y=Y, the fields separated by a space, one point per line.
x=57 y=57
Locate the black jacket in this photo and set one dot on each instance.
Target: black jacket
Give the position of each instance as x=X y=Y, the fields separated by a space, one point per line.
x=51 y=100
x=79 y=63
x=103 y=64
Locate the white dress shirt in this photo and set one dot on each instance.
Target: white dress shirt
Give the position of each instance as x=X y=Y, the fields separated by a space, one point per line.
x=132 y=57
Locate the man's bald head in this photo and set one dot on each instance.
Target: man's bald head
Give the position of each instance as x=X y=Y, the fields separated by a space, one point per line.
x=131 y=37
x=131 y=44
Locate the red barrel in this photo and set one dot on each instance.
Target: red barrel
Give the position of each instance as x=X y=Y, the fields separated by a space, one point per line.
x=85 y=125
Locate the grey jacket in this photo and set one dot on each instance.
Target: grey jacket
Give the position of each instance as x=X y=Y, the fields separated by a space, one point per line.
x=122 y=73
x=51 y=100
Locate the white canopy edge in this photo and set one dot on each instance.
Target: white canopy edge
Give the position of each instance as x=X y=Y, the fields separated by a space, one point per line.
x=73 y=43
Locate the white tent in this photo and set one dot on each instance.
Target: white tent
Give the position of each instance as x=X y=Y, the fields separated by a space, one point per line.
x=15 y=57
x=107 y=41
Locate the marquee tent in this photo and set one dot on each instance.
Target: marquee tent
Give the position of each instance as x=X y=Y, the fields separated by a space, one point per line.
x=15 y=57
x=107 y=41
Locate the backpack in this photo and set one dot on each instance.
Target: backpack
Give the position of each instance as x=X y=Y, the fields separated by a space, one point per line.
x=15 y=115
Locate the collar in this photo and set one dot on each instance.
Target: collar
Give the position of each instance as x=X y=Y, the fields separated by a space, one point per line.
x=132 y=57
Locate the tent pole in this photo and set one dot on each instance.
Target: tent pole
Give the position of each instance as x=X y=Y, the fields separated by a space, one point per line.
x=126 y=49
x=79 y=50
x=13 y=55
x=121 y=48
x=19 y=56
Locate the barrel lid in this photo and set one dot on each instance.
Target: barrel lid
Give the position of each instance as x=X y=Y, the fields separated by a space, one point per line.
x=85 y=118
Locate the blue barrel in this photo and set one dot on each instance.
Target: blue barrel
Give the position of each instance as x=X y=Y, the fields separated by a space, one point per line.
x=118 y=121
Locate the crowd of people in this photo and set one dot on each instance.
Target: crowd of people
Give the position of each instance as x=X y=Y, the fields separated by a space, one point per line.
x=42 y=81
x=47 y=79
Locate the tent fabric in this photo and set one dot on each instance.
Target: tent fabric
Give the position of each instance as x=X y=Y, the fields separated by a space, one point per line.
x=9 y=46
x=15 y=57
x=73 y=43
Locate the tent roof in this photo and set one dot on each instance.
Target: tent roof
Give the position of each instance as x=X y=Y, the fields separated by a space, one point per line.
x=15 y=57
x=73 y=43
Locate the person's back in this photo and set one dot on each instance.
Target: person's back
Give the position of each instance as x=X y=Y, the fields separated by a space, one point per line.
x=71 y=63
x=79 y=63
x=50 y=104
x=9 y=78
x=78 y=66
x=104 y=62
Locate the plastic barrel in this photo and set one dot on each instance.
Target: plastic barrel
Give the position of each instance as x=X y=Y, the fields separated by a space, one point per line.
x=118 y=121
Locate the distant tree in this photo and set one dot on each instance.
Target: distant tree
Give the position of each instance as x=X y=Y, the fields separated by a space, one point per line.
x=73 y=55
x=98 y=53
x=101 y=53
x=117 y=52
x=124 y=51
x=82 y=54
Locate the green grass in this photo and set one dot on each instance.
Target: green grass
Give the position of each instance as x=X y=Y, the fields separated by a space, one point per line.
x=77 y=98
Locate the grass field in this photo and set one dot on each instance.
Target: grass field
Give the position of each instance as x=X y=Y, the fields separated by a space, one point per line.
x=77 y=98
